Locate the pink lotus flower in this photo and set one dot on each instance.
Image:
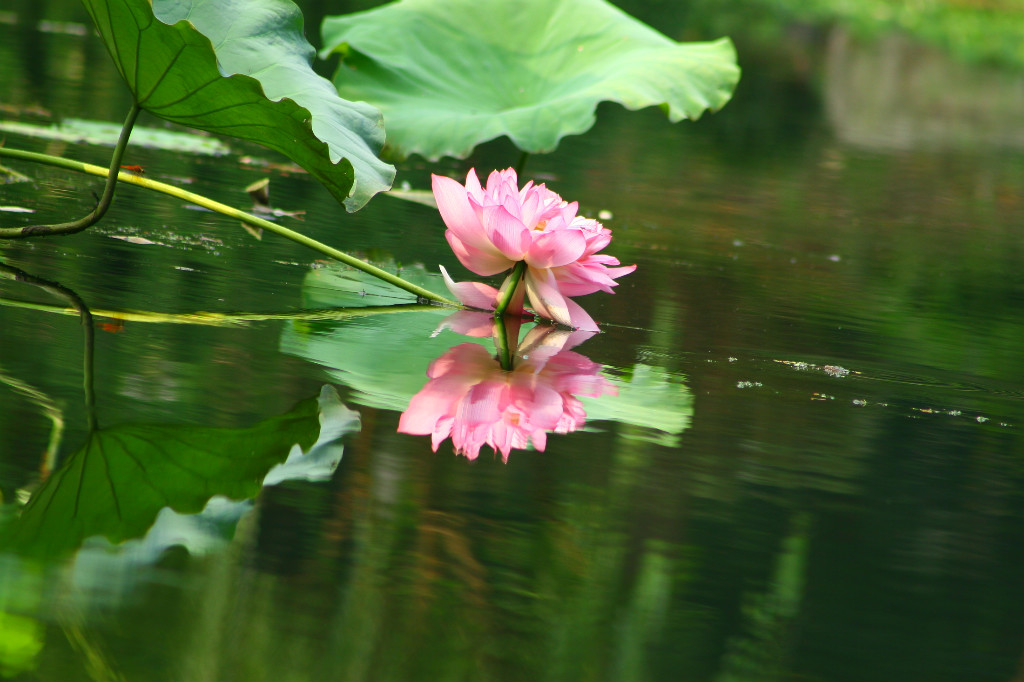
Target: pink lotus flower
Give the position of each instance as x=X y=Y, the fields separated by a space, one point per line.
x=472 y=400
x=493 y=228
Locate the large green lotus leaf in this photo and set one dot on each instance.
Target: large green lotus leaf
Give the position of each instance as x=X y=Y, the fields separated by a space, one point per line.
x=242 y=68
x=450 y=74
x=115 y=485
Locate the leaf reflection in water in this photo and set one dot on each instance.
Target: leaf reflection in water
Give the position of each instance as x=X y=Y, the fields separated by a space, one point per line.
x=506 y=400
x=122 y=478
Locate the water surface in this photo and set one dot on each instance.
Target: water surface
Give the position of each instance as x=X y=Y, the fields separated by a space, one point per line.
x=825 y=482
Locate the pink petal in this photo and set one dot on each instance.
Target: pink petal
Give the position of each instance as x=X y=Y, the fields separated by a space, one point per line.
x=417 y=421
x=484 y=403
x=468 y=323
x=530 y=209
x=506 y=232
x=543 y=405
x=442 y=430
x=598 y=240
x=484 y=262
x=461 y=219
x=427 y=408
x=472 y=294
x=453 y=203
x=502 y=181
x=545 y=297
x=578 y=317
x=615 y=273
x=553 y=249
x=578 y=280
x=473 y=187
x=585 y=277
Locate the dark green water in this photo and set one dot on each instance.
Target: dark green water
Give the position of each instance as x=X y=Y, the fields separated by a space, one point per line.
x=814 y=471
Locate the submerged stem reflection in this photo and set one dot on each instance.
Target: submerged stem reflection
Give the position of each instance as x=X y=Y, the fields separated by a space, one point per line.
x=79 y=306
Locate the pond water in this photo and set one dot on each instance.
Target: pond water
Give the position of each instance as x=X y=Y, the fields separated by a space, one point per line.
x=813 y=468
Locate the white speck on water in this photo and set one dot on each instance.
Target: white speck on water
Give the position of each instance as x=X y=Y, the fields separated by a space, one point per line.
x=835 y=370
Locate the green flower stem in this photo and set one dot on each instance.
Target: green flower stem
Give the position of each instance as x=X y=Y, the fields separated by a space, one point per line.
x=509 y=288
x=102 y=205
x=231 y=212
x=500 y=336
x=521 y=164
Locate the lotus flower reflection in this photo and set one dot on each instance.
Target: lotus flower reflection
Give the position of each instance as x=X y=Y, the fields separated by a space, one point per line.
x=494 y=228
x=471 y=398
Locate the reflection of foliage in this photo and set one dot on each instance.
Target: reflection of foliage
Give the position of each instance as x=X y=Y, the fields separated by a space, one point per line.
x=987 y=31
x=120 y=479
x=656 y=402
x=764 y=649
x=21 y=640
x=111 y=489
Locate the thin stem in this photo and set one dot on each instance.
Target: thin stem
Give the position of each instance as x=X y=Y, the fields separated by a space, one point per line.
x=505 y=335
x=102 y=205
x=222 y=319
x=521 y=164
x=87 y=363
x=509 y=289
x=500 y=337
x=231 y=212
x=75 y=301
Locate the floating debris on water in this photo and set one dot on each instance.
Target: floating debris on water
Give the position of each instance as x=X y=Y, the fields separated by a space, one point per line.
x=134 y=239
x=831 y=370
